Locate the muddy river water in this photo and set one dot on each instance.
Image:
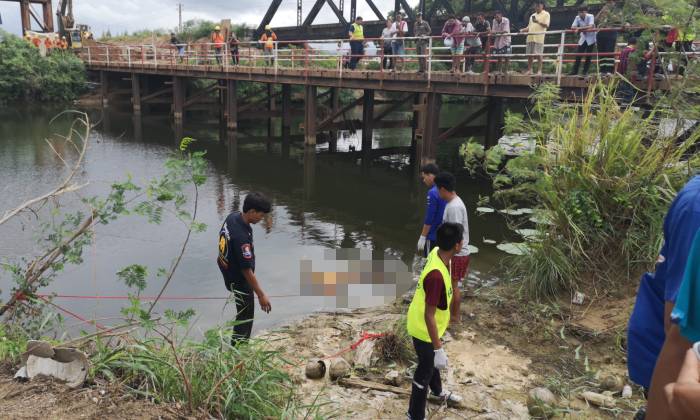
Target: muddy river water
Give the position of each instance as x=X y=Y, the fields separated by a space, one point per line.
x=321 y=202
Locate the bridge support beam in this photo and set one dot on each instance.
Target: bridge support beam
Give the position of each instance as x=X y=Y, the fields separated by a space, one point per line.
x=286 y=111
x=310 y=115
x=231 y=105
x=494 y=122
x=367 y=124
x=428 y=127
x=178 y=98
x=104 y=87
x=271 y=106
x=136 y=93
x=334 y=105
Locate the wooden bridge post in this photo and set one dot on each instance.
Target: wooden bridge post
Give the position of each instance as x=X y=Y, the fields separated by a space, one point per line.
x=178 y=98
x=104 y=87
x=270 y=107
x=231 y=105
x=494 y=121
x=428 y=128
x=367 y=125
x=310 y=115
x=136 y=92
x=286 y=112
x=334 y=104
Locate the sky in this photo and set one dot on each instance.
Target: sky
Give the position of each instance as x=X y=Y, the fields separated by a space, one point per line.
x=130 y=15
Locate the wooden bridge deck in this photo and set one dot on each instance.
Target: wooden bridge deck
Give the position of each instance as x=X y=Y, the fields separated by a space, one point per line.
x=443 y=82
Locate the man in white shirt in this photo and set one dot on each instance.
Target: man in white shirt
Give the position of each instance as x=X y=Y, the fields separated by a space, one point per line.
x=387 y=63
x=584 y=23
x=455 y=212
x=399 y=30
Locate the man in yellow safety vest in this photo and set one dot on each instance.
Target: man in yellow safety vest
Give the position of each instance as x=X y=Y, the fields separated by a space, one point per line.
x=356 y=32
x=268 y=39
x=428 y=318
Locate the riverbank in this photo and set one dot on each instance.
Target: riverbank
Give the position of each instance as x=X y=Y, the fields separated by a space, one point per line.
x=502 y=349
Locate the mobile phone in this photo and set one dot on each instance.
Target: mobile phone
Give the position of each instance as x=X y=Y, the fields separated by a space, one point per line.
x=696 y=349
x=532 y=17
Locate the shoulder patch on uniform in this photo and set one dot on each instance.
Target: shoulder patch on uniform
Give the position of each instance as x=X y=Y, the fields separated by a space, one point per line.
x=246 y=251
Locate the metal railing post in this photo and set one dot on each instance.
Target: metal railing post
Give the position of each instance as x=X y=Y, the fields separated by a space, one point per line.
x=89 y=56
x=430 y=59
x=275 y=45
x=560 y=57
x=107 y=53
x=155 y=57
x=128 y=55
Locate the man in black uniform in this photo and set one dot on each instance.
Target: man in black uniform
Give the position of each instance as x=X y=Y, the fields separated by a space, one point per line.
x=237 y=262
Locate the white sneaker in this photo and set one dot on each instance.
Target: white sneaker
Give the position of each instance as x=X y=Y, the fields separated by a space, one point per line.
x=446 y=396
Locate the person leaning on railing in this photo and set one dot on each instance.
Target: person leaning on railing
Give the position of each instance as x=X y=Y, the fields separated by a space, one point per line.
x=584 y=22
x=500 y=27
x=233 y=47
x=179 y=45
x=472 y=41
x=399 y=29
x=453 y=37
x=422 y=31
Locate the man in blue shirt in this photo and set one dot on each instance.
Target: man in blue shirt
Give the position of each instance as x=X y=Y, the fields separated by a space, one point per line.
x=652 y=340
x=434 y=211
x=584 y=22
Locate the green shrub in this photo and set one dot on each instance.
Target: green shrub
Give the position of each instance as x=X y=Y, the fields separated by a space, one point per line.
x=603 y=175
x=26 y=75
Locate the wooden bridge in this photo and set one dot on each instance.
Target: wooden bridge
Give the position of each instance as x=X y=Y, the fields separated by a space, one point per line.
x=158 y=74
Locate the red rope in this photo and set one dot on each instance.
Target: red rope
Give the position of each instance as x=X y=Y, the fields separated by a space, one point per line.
x=144 y=298
x=73 y=314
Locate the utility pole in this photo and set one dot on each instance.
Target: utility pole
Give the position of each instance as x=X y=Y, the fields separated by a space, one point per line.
x=179 y=14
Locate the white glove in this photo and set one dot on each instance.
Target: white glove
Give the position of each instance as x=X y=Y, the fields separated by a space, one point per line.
x=440 y=361
x=421 y=244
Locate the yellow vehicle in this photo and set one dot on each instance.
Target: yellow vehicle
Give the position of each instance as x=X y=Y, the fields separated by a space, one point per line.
x=76 y=38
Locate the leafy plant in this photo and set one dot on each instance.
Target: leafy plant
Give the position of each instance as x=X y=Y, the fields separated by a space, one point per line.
x=602 y=175
x=26 y=75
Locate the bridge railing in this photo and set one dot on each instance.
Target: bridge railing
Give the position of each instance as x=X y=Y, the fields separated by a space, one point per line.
x=344 y=58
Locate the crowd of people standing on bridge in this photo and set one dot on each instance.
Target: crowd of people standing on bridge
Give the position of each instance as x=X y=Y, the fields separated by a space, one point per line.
x=473 y=40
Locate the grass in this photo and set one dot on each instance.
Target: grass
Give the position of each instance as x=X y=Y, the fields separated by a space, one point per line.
x=396 y=346
x=209 y=376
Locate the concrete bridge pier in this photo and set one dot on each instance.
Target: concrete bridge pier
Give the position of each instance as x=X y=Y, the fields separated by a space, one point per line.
x=310 y=115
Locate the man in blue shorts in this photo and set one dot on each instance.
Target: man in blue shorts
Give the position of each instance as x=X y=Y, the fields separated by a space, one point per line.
x=652 y=339
x=434 y=211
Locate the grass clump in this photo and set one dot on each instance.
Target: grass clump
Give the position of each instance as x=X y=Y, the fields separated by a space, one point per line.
x=396 y=345
x=603 y=175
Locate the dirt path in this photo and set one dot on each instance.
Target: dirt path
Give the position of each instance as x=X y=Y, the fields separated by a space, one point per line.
x=44 y=399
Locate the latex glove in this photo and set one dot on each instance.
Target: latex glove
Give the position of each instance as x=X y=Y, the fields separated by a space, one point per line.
x=421 y=244
x=440 y=360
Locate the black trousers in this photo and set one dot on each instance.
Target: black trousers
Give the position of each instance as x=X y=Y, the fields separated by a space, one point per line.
x=245 y=305
x=583 y=49
x=606 y=45
x=357 y=49
x=245 y=312
x=426 y=376
x=388 y=64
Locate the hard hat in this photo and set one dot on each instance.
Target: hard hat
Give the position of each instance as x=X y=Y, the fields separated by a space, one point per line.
x=268 y=27
x=466 y=19
x=217 y=28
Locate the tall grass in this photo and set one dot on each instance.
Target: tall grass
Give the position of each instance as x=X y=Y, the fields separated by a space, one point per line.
x=211 y=376
x=604 y=175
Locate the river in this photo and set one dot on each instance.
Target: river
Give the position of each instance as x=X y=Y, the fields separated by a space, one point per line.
x=321 y=202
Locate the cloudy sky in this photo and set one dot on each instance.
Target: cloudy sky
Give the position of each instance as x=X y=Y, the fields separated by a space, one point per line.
x=131 y=15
